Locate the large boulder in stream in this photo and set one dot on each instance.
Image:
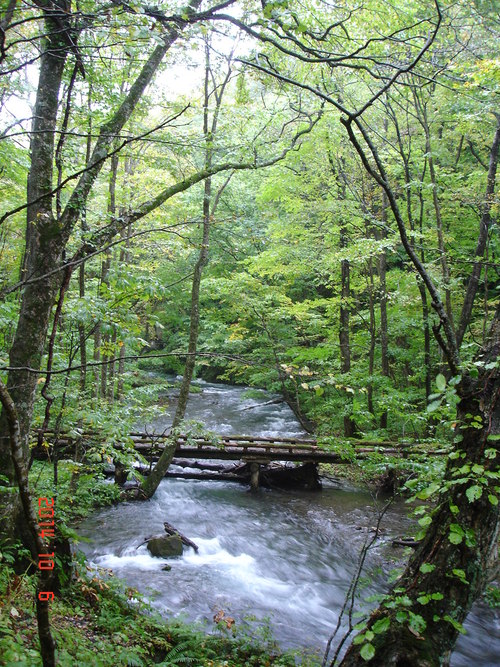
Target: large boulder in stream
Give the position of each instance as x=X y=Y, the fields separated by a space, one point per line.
x=165 y=546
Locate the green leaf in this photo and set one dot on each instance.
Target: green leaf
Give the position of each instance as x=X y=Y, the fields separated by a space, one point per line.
x=367 y=652
x=425 y=521
x=382 y=625
x=457 y=533
x=425 y=568
x=441 y=382
x=429 y=491
x=417 y=623
x=458 y=626
x=433 y=406
x=460 y=574
x=474 y=492
x=493 y=499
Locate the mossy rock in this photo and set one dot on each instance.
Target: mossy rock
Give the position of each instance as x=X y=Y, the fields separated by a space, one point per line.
x=165 y=547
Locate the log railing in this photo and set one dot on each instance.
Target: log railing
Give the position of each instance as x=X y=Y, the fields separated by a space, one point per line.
x=235 y=447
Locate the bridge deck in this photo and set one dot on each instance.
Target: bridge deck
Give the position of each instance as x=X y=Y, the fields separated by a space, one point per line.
x=265 y=449
x=256 y=448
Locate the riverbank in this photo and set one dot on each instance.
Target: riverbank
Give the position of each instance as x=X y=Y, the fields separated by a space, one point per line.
x=98 y=620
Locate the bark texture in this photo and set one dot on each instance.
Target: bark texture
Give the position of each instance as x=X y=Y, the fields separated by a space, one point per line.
x=448 y=570
x=484 y=227
x=29 y=526
x=46 y=233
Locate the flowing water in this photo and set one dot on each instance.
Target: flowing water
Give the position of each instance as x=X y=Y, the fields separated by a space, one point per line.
x=284 y=556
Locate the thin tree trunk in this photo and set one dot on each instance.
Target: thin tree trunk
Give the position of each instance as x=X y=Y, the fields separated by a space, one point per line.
x=81 y=333
x=209 y=132
x=484 y=227
x=344 y=328
x=427 y=339
x=97 y=358
x=104 y=337
x=373 y=331
x=121 y=371
x=421 y=109
x=194 y=322
x=405 y=156
x=107 y=371
x=111 y=370
x=384 y=335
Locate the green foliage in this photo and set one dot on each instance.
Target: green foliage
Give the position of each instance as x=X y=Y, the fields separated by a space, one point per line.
x=80 y=489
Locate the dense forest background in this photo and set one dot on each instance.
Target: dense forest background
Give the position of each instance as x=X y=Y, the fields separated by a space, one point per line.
x=295 y=196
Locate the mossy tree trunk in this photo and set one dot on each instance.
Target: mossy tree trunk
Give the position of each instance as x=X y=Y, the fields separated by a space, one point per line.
x=47 y=234
x=418 y=622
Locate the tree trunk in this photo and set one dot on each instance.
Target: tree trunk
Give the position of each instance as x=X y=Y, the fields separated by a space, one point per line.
x=154 y=478
x=82 y=337
x=421 y=109
x=46 y=237
x=373 y=328
x=121 y=371
x=448 y=570
x=209 y=131
x=111 y=370
x=194 y=322
x=427 y=339
x=29 y=527
x=384 y=335
x=484 y=227
x=43 y=250
x=97 y=358
x=344 y=329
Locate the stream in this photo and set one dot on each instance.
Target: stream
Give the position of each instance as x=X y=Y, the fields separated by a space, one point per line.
x=283 y=558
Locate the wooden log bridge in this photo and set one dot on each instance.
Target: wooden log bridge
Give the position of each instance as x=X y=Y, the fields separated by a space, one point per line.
x=258 y=451
x=267 y=449
x=255 y=451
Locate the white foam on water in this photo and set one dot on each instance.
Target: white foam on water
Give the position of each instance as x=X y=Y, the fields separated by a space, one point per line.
x=211 y=553
x=137 y=561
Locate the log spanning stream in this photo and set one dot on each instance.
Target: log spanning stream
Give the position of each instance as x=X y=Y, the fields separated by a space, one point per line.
x=284 y=556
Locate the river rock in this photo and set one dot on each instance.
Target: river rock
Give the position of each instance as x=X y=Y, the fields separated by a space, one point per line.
x=165 y=547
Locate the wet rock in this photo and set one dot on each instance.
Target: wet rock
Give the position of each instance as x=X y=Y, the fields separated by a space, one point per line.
x=165 y=547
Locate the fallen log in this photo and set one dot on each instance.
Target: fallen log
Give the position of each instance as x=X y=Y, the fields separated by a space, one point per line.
x=406 y=543
x=259 y=405
x=171 y=530
x=208 y=476
x=215 y=467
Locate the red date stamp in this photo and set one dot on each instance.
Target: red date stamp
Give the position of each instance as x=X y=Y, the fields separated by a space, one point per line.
x=46 y=525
